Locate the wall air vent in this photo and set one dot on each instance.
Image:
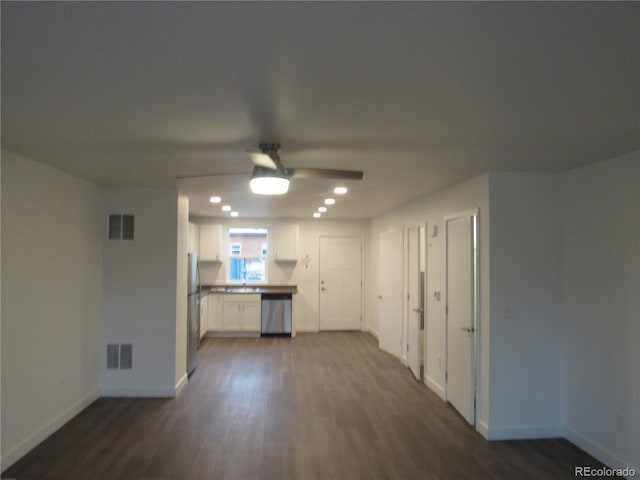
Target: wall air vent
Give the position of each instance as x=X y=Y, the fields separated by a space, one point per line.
x=113 y=356
x=119 y=356
x=121 y=226
x=126 y=356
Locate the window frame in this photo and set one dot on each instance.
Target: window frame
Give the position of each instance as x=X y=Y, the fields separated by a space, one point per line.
x=264 y=255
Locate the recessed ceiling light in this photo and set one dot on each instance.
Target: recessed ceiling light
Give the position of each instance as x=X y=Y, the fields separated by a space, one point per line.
x=234 y=214
x=329 y=201
x=322 y=209
x=226 y=208
x=340 y=190
x=215 y=199
x=317 y=215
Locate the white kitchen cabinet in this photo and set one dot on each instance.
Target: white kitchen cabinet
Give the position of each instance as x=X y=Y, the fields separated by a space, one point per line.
x=285 y=243
x=214 y=320
x=211 y=243
x=194 y=238
x=241 y=313
x=251 y=316
x=204 y=303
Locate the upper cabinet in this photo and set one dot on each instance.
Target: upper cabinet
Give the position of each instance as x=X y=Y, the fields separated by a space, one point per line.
x=285 y=242
x=194 y=238
x=211 y=243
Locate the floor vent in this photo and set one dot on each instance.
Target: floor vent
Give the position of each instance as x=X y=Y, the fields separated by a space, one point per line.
x=119 y=356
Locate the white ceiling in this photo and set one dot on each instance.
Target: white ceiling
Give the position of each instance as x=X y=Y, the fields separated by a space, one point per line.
x=417 y=95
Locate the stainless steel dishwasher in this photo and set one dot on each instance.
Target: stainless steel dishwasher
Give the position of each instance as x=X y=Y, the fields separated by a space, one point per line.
x=276 y=314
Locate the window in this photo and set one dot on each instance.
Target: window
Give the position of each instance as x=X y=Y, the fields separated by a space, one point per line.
x=248 y=254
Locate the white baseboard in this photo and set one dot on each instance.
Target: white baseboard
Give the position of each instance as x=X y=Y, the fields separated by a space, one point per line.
x=482 y=428
x=143 y=392
x=435 y=386
x=16 y=453
x=521 y=432
x=609 y=459
x=181 y=384
x=306 y=329
x=372 y=332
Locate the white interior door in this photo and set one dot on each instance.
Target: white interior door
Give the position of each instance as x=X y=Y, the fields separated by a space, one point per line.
x=390 y=297
x=340 y=283
x=414 y=309
x=461 y=314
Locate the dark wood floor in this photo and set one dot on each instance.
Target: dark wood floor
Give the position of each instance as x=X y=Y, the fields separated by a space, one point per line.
x=327 y=405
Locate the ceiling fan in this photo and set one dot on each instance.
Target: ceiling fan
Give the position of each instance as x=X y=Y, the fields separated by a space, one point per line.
x=270 y=177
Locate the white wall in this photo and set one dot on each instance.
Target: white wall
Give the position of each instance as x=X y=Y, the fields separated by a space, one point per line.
x=306 y=301
x=52 y=230
x=140 y=289
x=432 y=210
x=601 y=283
x=526 y=359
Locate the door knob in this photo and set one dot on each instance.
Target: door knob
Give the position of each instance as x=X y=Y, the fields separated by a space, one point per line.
x=468 y=329
x=322 y=289
x=418 y=310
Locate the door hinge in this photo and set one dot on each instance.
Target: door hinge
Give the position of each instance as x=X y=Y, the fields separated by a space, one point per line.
x=446 y=376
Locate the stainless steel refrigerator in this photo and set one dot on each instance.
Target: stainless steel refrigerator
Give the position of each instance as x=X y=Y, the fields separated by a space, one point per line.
x=193 y=312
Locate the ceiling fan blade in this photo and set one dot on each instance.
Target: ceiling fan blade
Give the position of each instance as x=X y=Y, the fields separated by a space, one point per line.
x=324 y=173
x=261 y=159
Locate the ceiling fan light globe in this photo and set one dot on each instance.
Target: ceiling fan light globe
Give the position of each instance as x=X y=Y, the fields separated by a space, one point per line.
x=269 y=185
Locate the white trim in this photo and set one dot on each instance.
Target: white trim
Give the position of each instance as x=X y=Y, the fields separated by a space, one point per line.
x=522 y=432
x=307 y=329
x=482 y=428
x=143 y=392
x=435 y=386
x=231 y=334
x=16 y=453
x=599 y=452
x=181 y=384
x=373 y=332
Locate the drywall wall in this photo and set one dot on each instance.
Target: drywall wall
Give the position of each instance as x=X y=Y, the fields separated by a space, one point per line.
x=140 y=290
x=306 y=277
x=432 y=210
x=526 y=359
x=52 y=230
x=601 y=285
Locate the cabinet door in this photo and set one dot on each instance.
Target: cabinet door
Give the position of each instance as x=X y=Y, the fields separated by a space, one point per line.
x=286 y=243
x=251 y=314
x=210 y=243
x=232 y=316
x=214 y=313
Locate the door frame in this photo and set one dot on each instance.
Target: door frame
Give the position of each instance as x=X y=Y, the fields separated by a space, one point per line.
x=475 y=370
x=407 y=311
x=362 y=276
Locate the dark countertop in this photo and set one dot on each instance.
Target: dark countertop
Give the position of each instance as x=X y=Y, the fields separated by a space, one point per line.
x=239 y=289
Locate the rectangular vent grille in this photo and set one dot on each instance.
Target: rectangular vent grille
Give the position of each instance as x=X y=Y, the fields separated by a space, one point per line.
x=113 y=356
x=126 y=356
x=121 y=227
x=119 y=356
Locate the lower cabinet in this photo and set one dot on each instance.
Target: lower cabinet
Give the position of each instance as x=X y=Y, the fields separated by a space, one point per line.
x=214 y=313
x=241 y=313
